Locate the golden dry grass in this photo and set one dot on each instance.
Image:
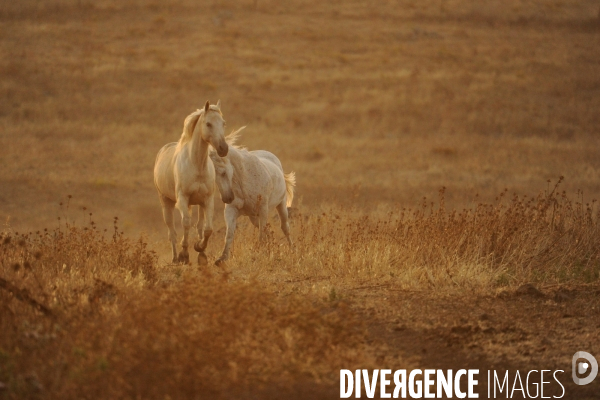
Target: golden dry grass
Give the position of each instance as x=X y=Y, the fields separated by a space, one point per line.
x=375 y=106
x=109 y=323
x=547 y=239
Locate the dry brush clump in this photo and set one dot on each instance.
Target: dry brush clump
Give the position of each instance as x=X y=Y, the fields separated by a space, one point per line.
x=549 y=238
x=89 y=314
x=62 y=264
x=212 y=337
x=109 y=322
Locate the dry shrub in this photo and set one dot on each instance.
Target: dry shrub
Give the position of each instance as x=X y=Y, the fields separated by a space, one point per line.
x=212 y=337
x=114 y=329
x=110 y=323
x=548 y=238
x=62 y=265
x=203 y=336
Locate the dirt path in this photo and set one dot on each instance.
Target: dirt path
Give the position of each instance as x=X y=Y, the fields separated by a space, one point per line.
x=522 y=330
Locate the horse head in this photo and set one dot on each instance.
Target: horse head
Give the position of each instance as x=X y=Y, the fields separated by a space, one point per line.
x=223 y=176
x=213 y=128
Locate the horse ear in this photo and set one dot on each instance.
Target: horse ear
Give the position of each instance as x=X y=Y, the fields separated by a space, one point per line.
x=219 y=104
x=206 y=106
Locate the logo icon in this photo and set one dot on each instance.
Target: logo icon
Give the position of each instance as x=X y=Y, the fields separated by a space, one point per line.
x=581 y=367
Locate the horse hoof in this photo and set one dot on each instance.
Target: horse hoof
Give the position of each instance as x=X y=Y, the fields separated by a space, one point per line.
x=221 y=263
x=184 y=258
x=202 y=260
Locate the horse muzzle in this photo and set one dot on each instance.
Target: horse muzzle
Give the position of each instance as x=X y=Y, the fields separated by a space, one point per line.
x=222 y=150
x=228 y=199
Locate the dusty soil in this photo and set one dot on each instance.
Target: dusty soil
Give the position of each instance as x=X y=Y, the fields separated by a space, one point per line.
x=372 y=105
x=524 y=329
x=508 y=331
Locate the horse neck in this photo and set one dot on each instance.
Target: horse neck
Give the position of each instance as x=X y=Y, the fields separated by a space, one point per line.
x=198 y=151
x=236 y=158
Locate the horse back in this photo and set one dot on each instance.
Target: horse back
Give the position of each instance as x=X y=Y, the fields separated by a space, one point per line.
x=276 y=175
x=267 y=155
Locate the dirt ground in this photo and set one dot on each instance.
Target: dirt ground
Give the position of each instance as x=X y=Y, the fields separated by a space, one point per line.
x=510 y=331
x=374 y=106
x=524 y=329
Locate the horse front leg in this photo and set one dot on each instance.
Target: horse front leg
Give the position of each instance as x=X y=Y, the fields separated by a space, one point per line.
x=207 y=225
x=186 y=220
x=231 y=215
x=168 y=206
x=202 y=260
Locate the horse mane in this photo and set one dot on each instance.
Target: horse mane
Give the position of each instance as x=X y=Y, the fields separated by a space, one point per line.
x=231 y=140
x=233 y=137
x=189 y=124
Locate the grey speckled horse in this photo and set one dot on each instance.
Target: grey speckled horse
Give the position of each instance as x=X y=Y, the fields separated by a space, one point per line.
x=252 y=183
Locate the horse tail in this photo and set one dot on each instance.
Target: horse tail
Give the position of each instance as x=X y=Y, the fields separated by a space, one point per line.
x=290 y=182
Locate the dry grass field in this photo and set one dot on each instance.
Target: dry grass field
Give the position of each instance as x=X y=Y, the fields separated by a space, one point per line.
x=447 y=155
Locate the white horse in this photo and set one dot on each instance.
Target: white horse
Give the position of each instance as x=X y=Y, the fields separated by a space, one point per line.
x=184 y=176
x=257 y=183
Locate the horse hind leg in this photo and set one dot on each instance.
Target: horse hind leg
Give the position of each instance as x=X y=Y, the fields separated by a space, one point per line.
x=283 y=218
x=231 y=215
x=263 y=215
x=186 y=221
x=168 y=206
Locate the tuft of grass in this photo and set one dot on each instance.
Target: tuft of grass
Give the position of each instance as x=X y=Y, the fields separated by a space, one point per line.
x=119 y=326
x=110 y=322
x=548 y=238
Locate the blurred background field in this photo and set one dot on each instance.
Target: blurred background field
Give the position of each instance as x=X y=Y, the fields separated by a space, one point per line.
x=376 y=107
x=370 y=104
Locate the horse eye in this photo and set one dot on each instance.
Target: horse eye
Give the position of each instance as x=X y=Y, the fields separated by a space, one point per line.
x=209 y=124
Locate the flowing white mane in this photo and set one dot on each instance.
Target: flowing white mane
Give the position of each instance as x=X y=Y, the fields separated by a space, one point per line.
x=189 y=124
x=233 y=137
x=231 y=140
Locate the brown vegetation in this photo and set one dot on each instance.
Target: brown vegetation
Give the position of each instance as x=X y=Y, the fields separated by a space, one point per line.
x=113 y=323
x=374 y=105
